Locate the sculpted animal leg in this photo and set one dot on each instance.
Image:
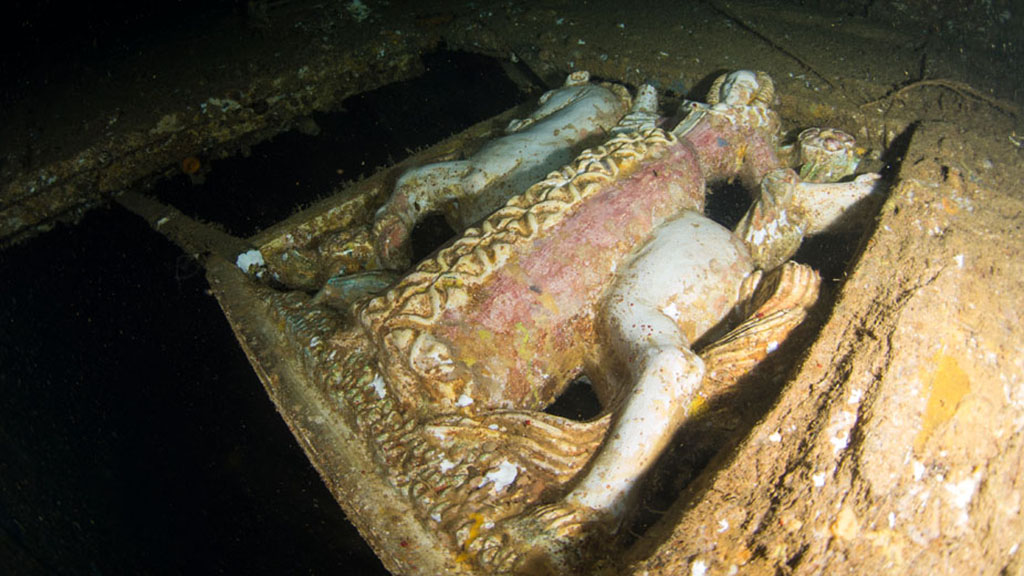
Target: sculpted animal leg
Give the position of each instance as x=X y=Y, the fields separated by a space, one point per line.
x=418 y=192
x=666 y=376
x=680 y=284
x=686 y=279
x=787 y=209
x=643 y=115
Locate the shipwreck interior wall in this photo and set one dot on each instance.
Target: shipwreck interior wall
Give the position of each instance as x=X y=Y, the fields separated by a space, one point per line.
x=134 y=436
x=131 y=391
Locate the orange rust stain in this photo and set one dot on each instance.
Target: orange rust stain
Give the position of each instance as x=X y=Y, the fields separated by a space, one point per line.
x=949 y=207
x=190 y=165
x=947 y=385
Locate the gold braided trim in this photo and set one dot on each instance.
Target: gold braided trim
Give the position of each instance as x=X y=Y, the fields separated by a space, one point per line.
x=443 y=281
x=758 y=118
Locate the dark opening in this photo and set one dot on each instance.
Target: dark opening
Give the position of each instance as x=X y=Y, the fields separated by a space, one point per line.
x=373 y=130
x=726 y=203
x=578 y=402
x=428 y=235
x=137 y=438
x=831 y=254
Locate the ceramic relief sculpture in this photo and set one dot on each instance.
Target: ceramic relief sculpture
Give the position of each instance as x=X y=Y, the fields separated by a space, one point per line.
x=602 y=266
x=578 y=113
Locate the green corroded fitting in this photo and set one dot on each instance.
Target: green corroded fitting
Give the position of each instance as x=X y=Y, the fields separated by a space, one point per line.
x=826 y=155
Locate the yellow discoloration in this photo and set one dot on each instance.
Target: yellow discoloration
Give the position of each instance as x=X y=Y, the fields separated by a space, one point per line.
x=890 y=543
x=522 y=342
x=697 y=406
x=846 y=526
x=688 y=327
x=486 y=339
x=946 y=385
x=949 y=207
x=741 y=155
x=474 y=533
x=548 y=302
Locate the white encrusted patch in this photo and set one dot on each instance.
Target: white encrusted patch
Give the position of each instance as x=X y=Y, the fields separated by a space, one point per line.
x=379 y=387
x=961 y=493
x=249 y=259
x=501 y=477
x=839 y=430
